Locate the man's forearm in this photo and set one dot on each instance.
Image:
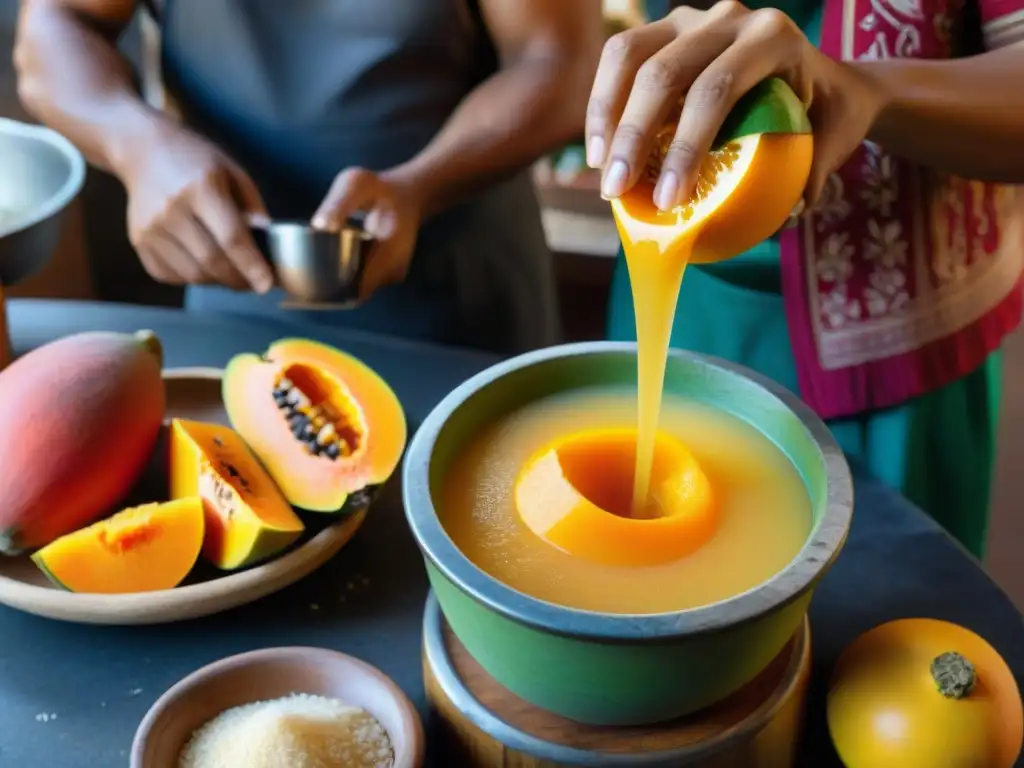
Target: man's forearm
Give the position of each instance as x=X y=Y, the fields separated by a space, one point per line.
x=72 y=77
x=503 y=126
x=961 y=116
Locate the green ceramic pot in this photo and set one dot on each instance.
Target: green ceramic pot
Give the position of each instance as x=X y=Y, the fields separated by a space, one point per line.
x=624 y=669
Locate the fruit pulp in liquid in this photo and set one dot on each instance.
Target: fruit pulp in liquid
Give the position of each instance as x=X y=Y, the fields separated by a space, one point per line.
x=764 y=508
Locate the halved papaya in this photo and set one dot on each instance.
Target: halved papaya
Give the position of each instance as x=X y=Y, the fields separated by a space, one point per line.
x=748 y=184
x=140 y=549
x=247 y=517
x=326 y=427
x=576 y=494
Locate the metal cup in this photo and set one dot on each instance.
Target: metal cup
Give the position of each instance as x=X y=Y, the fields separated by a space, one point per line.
x=316 y=268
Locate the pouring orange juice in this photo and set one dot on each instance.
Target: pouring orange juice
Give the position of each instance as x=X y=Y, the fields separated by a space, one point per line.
x=748 y=185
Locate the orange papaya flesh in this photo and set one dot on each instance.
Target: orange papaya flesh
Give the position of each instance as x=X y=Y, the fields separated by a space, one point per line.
x=140 y=549
x=80 y=418
x=328 y=429
x=247 y=517
x=576 y=494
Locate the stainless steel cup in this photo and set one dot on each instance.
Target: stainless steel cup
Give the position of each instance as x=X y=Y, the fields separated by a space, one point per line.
x=316 y=267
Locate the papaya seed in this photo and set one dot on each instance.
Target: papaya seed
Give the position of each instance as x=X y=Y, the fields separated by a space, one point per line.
x=317 y=425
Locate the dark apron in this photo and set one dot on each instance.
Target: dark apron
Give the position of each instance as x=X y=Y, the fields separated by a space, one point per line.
x=297 y=91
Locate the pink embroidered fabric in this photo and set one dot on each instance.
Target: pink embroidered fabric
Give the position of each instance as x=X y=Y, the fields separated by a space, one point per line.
x=901 y=280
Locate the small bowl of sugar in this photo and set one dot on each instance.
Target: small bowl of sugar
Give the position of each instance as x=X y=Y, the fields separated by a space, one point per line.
x=281 y=706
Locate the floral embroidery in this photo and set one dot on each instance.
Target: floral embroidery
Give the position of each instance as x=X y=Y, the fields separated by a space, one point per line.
x=837 y=307
x=888 y=239
x=831 y=207
x=835 y=263
x=886 y=292
x=885 y=245
x=880 y=187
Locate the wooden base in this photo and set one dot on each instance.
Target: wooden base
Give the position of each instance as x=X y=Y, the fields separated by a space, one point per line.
x=480 y=724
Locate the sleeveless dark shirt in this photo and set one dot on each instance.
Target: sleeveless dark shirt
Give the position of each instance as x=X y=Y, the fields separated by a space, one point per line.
x=297 y=91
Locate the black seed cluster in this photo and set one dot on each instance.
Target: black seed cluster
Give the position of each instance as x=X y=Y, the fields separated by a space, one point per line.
x=312 y=425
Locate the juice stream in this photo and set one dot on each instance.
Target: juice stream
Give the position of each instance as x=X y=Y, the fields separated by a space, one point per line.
x=655 y=276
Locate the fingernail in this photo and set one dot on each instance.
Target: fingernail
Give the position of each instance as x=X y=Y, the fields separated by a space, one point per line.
x=615 y=178
x=258 y=220
x=666 y=193
x=261 y=282
x=595 y=151
x=381 y=224
x=320 y=222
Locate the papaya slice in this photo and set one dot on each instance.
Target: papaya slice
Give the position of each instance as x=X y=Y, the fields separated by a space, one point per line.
x=140 y=549
x=576 y=494
x=328 y=429
x=748 y=186
x=247 y=517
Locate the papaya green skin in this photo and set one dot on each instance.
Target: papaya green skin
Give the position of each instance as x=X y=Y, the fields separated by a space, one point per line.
x=341 y=503
x=41 y=564
x=269 y=544
x=771 y=106
x=81 y=417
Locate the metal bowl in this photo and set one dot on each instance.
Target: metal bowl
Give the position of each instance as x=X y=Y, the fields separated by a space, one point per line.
x=41 y=172
x=314 y=266
x=617 y=669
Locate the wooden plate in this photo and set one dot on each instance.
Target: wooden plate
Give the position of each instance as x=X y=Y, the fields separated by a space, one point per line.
x=192 y=393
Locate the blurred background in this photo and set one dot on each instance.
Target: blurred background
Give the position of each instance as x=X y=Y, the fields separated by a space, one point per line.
x=95 y=261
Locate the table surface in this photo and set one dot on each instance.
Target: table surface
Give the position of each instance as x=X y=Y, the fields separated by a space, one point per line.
x=71 y=696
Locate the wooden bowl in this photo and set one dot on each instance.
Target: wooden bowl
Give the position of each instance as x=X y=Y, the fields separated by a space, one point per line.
x=270 y=674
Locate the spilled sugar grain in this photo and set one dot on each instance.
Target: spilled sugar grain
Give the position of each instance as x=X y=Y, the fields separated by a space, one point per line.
x=298 y=731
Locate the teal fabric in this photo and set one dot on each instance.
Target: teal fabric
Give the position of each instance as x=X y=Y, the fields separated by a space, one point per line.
x=938 y=449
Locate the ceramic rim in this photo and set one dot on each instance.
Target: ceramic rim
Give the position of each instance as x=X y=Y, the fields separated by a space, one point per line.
x=407 y=710
x=823 y=543
x=68 y=190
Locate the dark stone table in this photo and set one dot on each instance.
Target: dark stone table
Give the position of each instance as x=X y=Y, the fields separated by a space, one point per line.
x=71 y=696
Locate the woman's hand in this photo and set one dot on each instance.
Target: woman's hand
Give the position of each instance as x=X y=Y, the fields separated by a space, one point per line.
x=393 y=219
x=189 y=207
x=712 y=58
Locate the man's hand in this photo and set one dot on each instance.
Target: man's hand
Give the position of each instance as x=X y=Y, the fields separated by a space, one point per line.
x=393 y=216
x=189 y=208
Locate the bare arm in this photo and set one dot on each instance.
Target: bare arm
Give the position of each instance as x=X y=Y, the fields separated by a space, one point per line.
x=185 y=198
x=963 y=116
x=72 y=77
x=533 y=104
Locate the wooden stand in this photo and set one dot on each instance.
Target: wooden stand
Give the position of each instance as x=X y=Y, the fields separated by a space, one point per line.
x=5 y=334
x=482 y=725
